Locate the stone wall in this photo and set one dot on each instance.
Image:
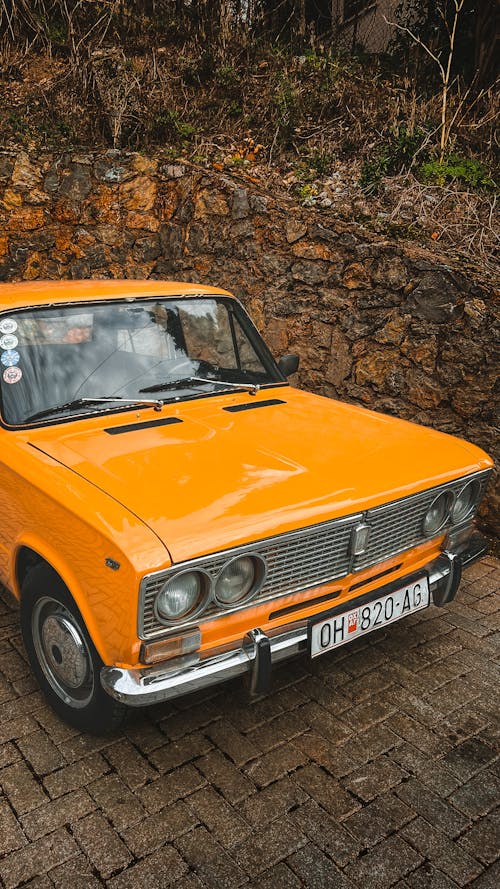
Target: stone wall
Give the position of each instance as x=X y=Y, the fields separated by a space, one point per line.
x=392 y=327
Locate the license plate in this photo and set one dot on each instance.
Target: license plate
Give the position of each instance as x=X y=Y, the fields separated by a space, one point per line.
x=337 y=630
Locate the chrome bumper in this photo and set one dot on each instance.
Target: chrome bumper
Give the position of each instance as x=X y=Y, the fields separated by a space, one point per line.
x=172 y=679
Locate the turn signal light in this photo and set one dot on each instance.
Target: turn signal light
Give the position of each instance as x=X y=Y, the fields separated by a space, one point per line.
x=174 y=646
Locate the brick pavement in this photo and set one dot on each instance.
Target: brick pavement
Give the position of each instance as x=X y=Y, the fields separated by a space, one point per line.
x=374 y=766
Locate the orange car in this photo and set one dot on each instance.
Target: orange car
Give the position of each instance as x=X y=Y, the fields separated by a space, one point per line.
x=175 y=514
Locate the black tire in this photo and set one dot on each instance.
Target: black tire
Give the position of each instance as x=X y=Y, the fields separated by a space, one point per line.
x=63 y=656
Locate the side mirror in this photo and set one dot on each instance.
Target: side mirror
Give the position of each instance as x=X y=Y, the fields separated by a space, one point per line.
x=288 y=364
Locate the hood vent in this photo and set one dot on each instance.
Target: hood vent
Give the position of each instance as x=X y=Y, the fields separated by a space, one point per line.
x=252 y=405
x=148 y=424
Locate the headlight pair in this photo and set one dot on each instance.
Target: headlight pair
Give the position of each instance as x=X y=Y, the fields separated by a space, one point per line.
x=448 y=507
x=187 y=594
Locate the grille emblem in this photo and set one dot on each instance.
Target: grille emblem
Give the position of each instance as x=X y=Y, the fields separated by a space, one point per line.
x=360 y=539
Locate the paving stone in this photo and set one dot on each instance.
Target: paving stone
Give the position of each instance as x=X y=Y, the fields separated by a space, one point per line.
x=190 y=881
x=164 y=826
x=37 y=858
x=57 y=813
x=169 y=788
x=482 y=840
x=224 y=775
x=211 y=863
x=278 y=840
x=143 y=735
x=489 y=879
x=133 y=768
x=162 y=868
x=378 y=819
x=469 y=758
x=41 y=752
x=414 y=732
x=272 y=802
x=278 y=877
x=428 y=877
x=421 y=799
x=389 y=861
x=57 y=730
x=233 y=743
x=433 y=773
x=452 y=695
x=368 y=713
x=77 y=873
x=80 y=746
x=76 y=775
x=375 y=778
x=8 y=754
x=276 y=732
x=275 y=764
x=443 y=853
x=224 y=822
x=101 y=844
x=176 y=753
x=116 y=801
x=331 y=727
x=332 y=837
x=21 y=789
x=327 y=792
x=316 y=870
x=478 y=796
x=11 y=835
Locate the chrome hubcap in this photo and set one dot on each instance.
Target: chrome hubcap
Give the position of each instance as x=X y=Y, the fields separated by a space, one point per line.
x=62 y=652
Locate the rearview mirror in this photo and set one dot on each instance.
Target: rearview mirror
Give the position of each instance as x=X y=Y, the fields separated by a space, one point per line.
x=288 y=364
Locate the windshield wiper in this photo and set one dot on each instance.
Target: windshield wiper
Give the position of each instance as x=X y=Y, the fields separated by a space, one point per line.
x=189 y=381
x=79 y=402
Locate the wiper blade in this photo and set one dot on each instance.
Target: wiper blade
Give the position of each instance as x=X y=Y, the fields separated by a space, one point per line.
x=189 y=381
x=79 y=402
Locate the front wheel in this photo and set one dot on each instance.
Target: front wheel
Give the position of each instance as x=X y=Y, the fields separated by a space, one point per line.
x=63 y=656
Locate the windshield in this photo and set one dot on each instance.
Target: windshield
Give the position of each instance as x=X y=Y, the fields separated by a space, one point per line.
x=58 y=357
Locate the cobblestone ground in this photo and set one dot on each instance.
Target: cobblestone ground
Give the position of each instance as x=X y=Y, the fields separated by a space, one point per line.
x=371 y=767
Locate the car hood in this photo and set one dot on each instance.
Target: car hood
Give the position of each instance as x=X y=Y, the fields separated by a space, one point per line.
x=215 y=478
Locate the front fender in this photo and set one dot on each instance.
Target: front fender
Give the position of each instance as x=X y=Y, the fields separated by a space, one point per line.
x=76 y=528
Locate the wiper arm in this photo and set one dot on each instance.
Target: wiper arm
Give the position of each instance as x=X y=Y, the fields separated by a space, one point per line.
x=189 y=381
x=78 y=402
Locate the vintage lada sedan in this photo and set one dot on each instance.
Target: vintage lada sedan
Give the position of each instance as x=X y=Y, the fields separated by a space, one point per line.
x=175 y=514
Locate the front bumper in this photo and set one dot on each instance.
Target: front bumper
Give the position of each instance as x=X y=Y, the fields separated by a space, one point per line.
x=151 y=685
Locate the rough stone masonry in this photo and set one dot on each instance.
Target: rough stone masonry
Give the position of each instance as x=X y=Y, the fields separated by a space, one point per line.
x=395 y=328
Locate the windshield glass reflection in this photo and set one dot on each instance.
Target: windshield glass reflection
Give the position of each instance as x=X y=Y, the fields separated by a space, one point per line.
x=179 y=348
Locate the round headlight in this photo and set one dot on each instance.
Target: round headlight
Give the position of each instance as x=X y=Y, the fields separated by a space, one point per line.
x=239 y=579
x=437 y=514
x=465 y=502
x=182 y=596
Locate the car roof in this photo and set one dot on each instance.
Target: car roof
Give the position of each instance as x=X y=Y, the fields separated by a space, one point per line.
x=33 y=293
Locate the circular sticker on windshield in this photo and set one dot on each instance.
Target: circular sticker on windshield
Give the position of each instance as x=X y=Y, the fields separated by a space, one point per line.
x=8 y=341
x=12 y=374
x=9 y=358
x=8 y=325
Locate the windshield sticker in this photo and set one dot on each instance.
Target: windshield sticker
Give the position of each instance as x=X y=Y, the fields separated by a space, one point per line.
x=12 y=374
x=8 y=341
x=8 y=325
x=9 y=358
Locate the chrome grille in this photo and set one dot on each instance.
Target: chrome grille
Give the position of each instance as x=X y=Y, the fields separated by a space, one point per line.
x=307 y=558
x=295 y=561
x=398 y=526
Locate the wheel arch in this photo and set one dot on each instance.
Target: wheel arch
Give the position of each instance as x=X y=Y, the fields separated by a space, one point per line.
x=30 y=553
